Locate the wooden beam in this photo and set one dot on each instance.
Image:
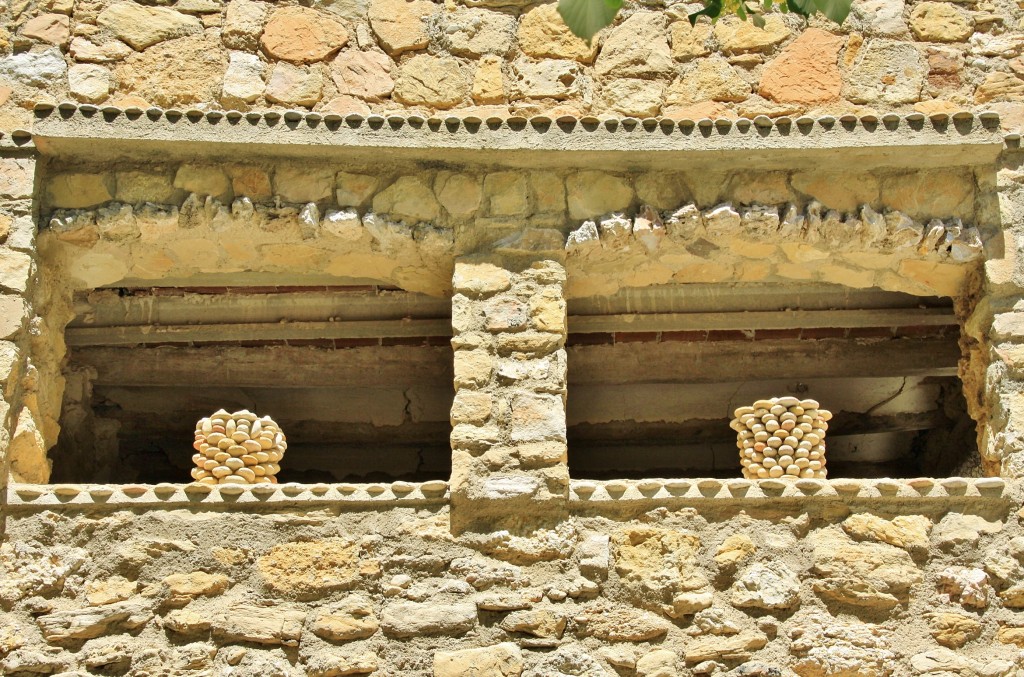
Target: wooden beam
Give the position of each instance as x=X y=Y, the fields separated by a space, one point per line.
x=737 y=361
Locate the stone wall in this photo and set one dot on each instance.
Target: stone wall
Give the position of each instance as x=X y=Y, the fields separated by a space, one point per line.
x=641 y=578
x=496 y=57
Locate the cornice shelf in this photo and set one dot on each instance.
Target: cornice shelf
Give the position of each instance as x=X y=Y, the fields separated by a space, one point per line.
x=71 y=130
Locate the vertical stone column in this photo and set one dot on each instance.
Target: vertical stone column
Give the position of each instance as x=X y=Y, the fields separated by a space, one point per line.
x=508 y=417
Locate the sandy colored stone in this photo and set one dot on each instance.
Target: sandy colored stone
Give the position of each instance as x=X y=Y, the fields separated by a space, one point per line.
x=806 y=71
x=306 y=570
x=143 y=27
x=425 y=80
x=471 y=407
x=95 y=621
x=506 y=194
x=885 y=72
x=86 y=51
x=632 y=97
x=475 y=32
x=904 y=531
x=766 y=585
x=543 y=34
x=353 y=190
x=690 y=42
x=923 y=195
x=335 y=663
x=620 y=624
x=592 y=193
x=175 y=73
x=736 y=648
x=243 y=23
x=480 y=279
x=411 y=619
x=251 y=182
x=89 y=83
x=269 y=624
x=459 y=194
x=408 y=199
x=535 y=622
x=196 y=584
x=110 y=590
x=637 y=48
x=46 y=69
x=953 y=630
x=488 y=81
x=734 y=550
x=366 y=75
x=736 y=35
x=500 y=660
x=842 y=191
x=17 y=177
x=302 y=35
x=50 y=28
x=870 y=575
x=351 y=619
x=1000 y=86
x=74 y=190
x=400 y=25
x=940 y=22
x=294 y=85
x=709 y=78
x=243 y=81
x=473 y=368
x=547 y=79
x=203 y=180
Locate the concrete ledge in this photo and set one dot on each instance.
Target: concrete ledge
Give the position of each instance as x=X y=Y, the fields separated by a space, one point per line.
x=37 y=497
x=109 y=133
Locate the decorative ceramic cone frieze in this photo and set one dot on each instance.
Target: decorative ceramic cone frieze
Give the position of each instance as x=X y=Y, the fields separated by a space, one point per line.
x=782 y=437
x=237 y=448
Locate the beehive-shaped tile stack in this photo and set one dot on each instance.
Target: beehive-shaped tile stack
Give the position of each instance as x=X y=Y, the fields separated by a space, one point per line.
x=237 y=448
x=782 y=437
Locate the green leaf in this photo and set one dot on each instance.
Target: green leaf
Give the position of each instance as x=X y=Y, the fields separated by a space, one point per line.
x=757 y=20
x=586 y=17
x=802 y=7
x=712 y=9
x=836 y=10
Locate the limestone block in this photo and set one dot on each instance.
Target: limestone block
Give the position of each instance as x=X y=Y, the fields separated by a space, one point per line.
x=302 y=35
x=110 y=590
x=939 y=660
x=414 y=619
x=543 y=35
x=84 y=50
x=45 y=69
x=187 y=622
x=471 y=407
x=366 y=75
x=530 y=342
x=769 y=585
x=29 y=570
x=924 y=195
x=548 y=311
x=92 y=622
x=50 y=28
x=885 y=72
x=425 y=80
x=459 y=194
x=344 y=224
x=475 y=32
x=408 y=199
x=480 y=279
x=400 y=25
x=294 y=85
x=306 y=570
x=353 y=618
x=620 y=624
x=203 y=180
x=904 y=531
x=1008 y=634
x=736 y=648
x=504 y=487
x=735 y=35
x=535 y=622
x=505 y=194
x=76 y=190
x=999 y=86
x=871 y=575
x=27 y=661
x=592 y=193
x=16 y=178
x=298 y=184
x=707 y=79
x=734 y=550
x=353 y=190
x=270 y=624
x=967 y=585
x=143 y=27
x=488 y=81
x=500 y=660
x=547 y=79
x=196 y=584
x=243 y=81
x=953 y=630
x=632 y=97
x=940 y=22
x=842 y=191
x=174 y=73
x=806 y=71
x=826 y=647
x=690 y=42
x=15 y=271
x=243 y=23
x=637 y=48
x=537 y=417
x=879 y=17
x=334 y=664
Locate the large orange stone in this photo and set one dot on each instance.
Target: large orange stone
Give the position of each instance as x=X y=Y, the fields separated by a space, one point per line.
x=302 y=35
x=807 y=71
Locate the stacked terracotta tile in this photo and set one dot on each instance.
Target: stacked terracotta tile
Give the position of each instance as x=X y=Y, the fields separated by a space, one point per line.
x=237 y=448
x=782 y=437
